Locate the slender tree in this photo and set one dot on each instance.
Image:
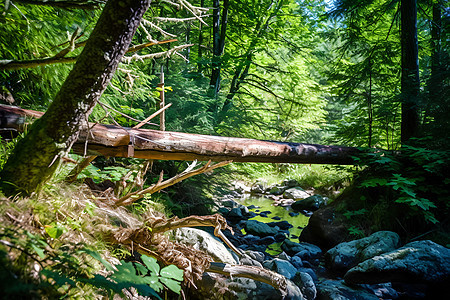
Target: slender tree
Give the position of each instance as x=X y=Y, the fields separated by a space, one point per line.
x=219 y=34
x=410 y=84
x=36 y=156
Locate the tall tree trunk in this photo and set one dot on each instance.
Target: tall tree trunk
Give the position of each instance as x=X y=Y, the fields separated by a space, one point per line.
x=200 y=42
x=219 y=34
x=36 y=156
x=369 y=105
x=436 y=106
x=410 y=71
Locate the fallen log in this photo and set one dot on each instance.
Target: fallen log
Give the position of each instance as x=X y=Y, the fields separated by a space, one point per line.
x=110 y=140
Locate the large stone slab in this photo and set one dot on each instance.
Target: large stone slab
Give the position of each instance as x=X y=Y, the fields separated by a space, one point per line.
x=416 y=262
x=348 y=254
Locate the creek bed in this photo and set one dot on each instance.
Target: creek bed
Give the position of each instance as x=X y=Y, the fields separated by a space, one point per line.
x=264 y=204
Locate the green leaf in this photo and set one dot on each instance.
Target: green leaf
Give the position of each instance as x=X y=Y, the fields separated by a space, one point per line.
x=38 y=250
x=55 y=230
x=374 y=182
x=153 y=281
x=97 y=256
x=151 y=263
x=173 y=285
x=173 y=272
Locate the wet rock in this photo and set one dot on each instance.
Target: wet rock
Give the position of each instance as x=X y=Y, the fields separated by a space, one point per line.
x=229 y=203
x=348 y=254
x=235 y=213
x=204 y=241
x=416 y=262
x=244 y=210
x=296 y=262
x=279 y=237
x=312 y=203
x=223 y=211
x=293 y=214
x=257 y=188
x=296 y=193
x=277 y=190
x=248 y=261
x=382 y=291
x=284 y=256
x=259 y=228
x=324 y=229
x=336 y=289
x=306 y=284
x=305 y=251
x=310 y=271
x=281 y=266
x=283 y=225
x=218 y=287
x=258 y=256
x=267 y=240
x=290 y=183
x=250 y=239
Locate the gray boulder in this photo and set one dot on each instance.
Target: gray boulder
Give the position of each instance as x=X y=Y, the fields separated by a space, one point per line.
x=311 y=203
x=259 y=228
x=296 y=193
x=248 y=261
x=235 y=213
x=337 y=290
x=290 y=183
x=281 y=266
x=206 y=242
x=306 y=284
x=303 y=250
x=258 y=256
x=416 y=262
x=346 y=255
x=218 y=287
x=277 y=190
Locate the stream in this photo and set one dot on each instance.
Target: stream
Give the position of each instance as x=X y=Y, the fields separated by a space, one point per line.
x=262 y=204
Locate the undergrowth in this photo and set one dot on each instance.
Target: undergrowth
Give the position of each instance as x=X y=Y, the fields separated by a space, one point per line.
x=53 y=245
x=323 y=178
x=406 y=192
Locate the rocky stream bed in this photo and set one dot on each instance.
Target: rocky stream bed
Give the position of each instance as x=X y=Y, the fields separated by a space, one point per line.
x=374 y=267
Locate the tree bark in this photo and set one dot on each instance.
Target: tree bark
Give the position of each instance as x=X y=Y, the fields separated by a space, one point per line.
x=410 y=83
x=36 y=156
x=219 y=34
x=109 y=140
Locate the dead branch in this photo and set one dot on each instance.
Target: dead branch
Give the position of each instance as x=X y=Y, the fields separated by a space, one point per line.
x=132 y=197
x=260 y=274
x=216 y=221
x=154 y=26
x=176 y=20
x=167 y=53
x=61 y=59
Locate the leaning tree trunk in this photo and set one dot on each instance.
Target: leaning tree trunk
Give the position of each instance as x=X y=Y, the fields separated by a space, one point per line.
x=36 y=156
x=410 y=71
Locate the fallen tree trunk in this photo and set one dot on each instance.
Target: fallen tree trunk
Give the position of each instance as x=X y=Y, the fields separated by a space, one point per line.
x=109 y=140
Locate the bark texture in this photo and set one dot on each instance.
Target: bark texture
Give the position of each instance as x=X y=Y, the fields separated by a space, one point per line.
x=36 y=156
x=410 y=84
x=109 y=140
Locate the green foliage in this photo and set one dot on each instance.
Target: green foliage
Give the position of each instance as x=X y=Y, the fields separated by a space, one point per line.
x=5 y=150
x=414 y=179
x=35 y=32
